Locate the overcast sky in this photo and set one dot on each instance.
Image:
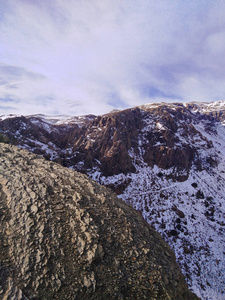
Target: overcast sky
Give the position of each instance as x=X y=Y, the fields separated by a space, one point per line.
x=92 y=56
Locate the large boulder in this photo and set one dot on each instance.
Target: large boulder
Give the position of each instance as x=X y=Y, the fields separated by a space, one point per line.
x=65 y=237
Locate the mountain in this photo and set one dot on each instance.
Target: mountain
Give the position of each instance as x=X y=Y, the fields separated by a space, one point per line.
x=63 y=236
x=166 y=160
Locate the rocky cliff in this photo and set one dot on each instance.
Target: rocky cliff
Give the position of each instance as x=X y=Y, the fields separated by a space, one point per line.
x=162 y=134
x=63 y=236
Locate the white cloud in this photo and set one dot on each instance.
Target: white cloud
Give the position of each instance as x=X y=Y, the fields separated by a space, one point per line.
x=92 y=56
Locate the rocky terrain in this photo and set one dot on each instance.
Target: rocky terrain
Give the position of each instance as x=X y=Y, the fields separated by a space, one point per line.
x=166 y=160
x=63 y=236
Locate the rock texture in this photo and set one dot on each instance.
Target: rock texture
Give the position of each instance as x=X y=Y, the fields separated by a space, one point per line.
x=63 y=236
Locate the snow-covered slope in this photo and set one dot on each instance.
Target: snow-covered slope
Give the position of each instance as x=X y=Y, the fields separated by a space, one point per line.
x=190 y=215
x=62 y=119
x=167 y=160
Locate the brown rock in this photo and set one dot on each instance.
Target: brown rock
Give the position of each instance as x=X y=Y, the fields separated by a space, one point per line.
x=76 y=240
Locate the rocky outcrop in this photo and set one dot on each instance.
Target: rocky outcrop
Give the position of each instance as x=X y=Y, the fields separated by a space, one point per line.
x=108 y=140
x=152 y=132
x=64 y=236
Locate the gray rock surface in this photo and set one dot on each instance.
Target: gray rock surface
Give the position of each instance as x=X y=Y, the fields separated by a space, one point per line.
x=62 y=236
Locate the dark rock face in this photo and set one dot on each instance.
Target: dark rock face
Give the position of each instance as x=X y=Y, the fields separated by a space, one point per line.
x=108 y=139
x=152 y=132
x=65 y=237
x=162 y=134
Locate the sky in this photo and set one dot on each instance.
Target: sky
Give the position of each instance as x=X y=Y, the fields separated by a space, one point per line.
x=79 y=57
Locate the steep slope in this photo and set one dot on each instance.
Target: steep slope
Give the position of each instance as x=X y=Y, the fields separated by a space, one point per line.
x=47 y=137
x=65 y=237
x=167 y=160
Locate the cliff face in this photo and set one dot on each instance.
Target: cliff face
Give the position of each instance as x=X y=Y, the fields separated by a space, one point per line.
x=63 y=236
x=162 y=134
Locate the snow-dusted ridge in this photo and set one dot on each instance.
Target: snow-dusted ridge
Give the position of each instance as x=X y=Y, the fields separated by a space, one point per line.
x=198 y=106
x=210 y=106
x=69 y=119
x=10 y=116
x=61 y=119
x=52 y=119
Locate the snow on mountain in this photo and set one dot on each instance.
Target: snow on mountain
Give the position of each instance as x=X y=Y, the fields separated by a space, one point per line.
x=61 y=119
x=4 y=117
x=209 y=107
x=190 y=215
